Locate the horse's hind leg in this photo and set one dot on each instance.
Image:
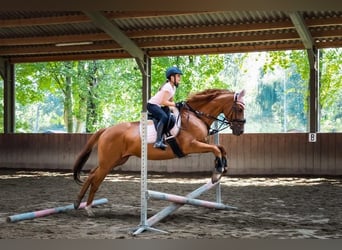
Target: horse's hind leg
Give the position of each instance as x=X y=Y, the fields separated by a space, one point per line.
x=96 y=181
x=84 y=188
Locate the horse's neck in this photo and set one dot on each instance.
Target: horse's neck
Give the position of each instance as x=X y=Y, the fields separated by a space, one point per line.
x=212 y=109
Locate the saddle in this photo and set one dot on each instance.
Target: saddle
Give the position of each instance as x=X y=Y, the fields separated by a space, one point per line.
x=171 y=129
x=171 y=120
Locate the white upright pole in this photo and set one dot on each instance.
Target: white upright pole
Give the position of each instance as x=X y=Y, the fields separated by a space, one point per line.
x=143 y=176
x=218 y=187
x=146 y=71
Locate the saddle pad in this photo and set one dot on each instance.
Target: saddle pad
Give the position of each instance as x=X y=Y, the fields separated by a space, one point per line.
x=151 y=130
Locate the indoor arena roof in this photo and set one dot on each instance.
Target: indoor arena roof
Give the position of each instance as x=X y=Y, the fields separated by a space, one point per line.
x=35 y=36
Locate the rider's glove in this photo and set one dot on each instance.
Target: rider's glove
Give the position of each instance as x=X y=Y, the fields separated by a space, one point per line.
x=180 y=105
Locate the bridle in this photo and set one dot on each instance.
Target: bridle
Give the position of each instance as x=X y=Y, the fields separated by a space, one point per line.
x=223 y=123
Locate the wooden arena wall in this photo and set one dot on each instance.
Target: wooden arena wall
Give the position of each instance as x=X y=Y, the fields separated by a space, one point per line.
x=249 y=154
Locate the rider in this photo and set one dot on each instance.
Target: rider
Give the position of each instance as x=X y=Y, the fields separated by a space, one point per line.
x=164 y=97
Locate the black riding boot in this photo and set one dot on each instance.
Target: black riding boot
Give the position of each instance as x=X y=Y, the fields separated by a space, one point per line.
x=159 y=142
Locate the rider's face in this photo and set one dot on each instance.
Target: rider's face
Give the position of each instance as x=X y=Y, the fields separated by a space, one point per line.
x=176 y=78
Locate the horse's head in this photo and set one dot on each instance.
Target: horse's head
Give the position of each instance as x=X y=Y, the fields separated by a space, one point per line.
x=235 y=114
x=208 y=104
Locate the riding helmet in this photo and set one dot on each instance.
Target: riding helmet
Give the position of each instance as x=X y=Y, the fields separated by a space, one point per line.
x=172 y=71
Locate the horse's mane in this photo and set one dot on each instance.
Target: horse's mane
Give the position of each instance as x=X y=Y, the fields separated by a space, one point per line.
x=206 y=95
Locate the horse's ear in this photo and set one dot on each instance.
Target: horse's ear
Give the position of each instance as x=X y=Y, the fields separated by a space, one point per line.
x=241 y=95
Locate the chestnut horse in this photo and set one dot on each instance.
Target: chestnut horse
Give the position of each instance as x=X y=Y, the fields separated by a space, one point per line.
x=117 y=143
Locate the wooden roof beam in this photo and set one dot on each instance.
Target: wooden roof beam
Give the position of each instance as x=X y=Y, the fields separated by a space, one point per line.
x=304 y=33
x=115 y=33
x=65 y=18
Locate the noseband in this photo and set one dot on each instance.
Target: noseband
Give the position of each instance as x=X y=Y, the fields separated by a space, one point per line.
x=235 y=109
x=224 y=122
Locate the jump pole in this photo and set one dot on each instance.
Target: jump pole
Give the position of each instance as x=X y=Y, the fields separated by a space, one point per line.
x=186 y=200
x=179 y=201
x=55 y=210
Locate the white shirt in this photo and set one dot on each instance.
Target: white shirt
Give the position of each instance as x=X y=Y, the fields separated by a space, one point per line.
x=157 y=98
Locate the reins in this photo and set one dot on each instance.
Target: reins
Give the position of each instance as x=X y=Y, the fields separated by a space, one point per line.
x=222 y=123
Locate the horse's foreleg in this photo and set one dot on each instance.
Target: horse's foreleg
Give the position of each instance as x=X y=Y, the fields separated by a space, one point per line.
x=224 y=158
x=219 y=169
x=220 y=157
x=201 y=147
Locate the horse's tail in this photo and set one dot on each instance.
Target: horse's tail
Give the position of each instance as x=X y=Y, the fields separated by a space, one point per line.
x=84 y=155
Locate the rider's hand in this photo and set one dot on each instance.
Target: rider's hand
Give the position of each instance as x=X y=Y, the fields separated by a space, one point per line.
x=179 y=105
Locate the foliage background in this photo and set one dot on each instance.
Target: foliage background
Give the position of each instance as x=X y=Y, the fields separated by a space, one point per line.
x=83 y=96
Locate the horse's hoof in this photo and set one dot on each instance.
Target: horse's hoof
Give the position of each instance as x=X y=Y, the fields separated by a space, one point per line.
x=216 y=176
x=77 y=204
x=89 y=211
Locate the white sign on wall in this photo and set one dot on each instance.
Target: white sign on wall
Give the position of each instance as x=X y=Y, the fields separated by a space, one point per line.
x=312 y=137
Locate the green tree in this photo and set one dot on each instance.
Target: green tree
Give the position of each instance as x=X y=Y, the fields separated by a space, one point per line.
x=32 y=85
x=199 y=73
x=331 y=90
x=86 y=89
x=330 y=94
x=121 y=93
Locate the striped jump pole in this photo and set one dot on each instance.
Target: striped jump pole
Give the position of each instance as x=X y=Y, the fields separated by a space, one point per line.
x=185 y=200
x=55 y=210
x=174 y=206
